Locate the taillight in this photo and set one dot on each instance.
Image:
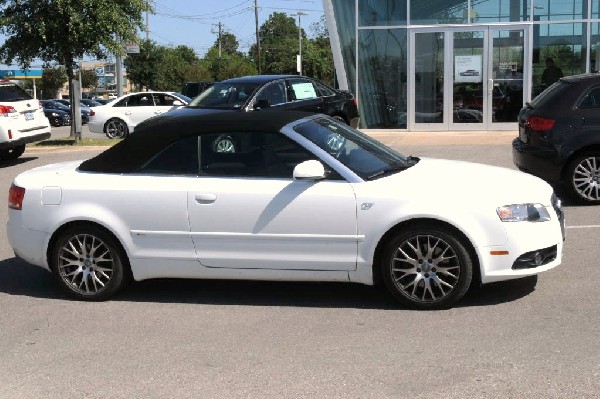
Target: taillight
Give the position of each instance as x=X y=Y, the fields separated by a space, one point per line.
x=7 y=109
x=9 y=134
x=15 y=197
x=540 y=124
x=40 y=105
x=355 y=102
x=92 y=113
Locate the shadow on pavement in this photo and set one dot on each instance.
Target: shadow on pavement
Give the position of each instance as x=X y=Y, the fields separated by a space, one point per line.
x=18 y=161
x=17 y=277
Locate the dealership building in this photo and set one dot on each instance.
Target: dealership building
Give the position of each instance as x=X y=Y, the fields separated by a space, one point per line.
x=426 y=65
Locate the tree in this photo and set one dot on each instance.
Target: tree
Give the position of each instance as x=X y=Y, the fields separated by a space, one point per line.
x=142 y=68
x=67 y=30
x=89 y=79
x=229 y=43
x=317 y=58
x=279 y=44
x=53 y=79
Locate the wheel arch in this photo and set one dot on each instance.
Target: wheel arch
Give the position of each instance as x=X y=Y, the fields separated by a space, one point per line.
x=54 y=238
x=387 y=236
x=589 y=148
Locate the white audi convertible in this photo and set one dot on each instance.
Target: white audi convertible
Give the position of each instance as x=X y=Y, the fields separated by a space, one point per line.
x=280 y=196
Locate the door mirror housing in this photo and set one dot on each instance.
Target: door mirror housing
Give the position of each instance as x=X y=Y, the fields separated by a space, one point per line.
x=177 y=103
x=309 y=170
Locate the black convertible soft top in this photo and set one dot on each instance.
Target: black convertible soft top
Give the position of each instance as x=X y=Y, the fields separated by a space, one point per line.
x=157 y=133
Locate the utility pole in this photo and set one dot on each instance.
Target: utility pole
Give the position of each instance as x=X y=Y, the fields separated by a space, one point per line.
x=147 y=20
x=219 y=33
x=299 y=14
x=257 y=36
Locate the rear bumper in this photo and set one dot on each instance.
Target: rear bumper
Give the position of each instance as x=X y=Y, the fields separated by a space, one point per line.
x=25 y=140
x=543 y=162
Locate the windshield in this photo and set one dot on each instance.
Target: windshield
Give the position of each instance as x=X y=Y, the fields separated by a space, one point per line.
x=225 y=96
x=366 y=157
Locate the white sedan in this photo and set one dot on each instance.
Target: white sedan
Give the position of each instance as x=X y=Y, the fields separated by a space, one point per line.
x=280 y=196
x=120 y=117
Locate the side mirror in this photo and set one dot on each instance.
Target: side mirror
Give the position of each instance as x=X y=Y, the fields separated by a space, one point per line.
x=177 y=103
x=309 y=170
x=262 y=104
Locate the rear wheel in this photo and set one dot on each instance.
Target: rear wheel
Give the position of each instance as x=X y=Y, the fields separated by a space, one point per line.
x=12 y=153
x=427 y=267
x=583 y=175
x=116 y=128
x=88 y=263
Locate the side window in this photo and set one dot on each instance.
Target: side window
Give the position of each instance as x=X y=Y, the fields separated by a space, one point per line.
x=255 y=154
x=325 y=91
x=275 y=93
x=164 y=100
x=123 y=102
x=179 y=158
x=591 y=99
x=303 y=89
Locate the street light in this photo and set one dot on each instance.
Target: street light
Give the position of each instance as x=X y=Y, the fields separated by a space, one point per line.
x=299 y=14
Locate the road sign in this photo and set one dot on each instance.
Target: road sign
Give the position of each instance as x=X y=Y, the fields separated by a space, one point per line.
x=99 y=71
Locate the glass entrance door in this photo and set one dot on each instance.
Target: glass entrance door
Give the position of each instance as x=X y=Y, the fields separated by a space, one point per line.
x=468 y=78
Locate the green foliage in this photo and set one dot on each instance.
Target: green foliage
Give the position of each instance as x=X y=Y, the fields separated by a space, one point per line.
x=229 y=43
x=279 y=44
x=143 y=68
x=53 y=79
x=66 y=30
x=89 y=79
x=228 y=65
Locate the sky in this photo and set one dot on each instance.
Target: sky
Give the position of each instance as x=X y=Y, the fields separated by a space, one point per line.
x=194 y=23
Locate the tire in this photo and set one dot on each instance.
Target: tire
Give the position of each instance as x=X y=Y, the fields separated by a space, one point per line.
x=426 y=267
x=56 y=122
x=12 y=153
x=583 y=178
x=116 y=128
x=88 y=263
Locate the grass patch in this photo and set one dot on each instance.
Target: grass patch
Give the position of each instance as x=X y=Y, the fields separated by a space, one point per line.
x=85 y=142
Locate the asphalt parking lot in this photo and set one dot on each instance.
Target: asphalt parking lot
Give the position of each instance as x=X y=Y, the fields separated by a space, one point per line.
x=530 y=338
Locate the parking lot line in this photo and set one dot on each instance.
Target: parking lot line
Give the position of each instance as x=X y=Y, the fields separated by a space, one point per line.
x=591 y=226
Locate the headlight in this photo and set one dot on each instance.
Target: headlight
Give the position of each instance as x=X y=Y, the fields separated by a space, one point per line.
x=523 y=212
x=55 y=114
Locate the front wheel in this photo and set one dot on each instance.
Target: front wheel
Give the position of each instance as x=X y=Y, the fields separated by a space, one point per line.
x=88 y=263
x=427 y=267
x=116 y=128
x=584 y=178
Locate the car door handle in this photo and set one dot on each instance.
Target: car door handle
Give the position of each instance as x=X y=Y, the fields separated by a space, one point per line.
x=157 y=112
x=128 y=113
x=206 y=198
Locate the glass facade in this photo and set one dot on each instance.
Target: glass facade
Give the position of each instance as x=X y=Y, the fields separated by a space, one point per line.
x=457 y=64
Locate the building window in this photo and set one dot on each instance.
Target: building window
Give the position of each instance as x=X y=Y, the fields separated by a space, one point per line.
x=438 y=12
x=381 y=12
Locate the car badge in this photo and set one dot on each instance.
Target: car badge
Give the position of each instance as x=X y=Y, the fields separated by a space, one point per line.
x=366 y=206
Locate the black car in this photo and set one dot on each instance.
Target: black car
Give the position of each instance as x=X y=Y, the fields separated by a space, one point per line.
x=60 y=105
x=279 y=92
x=57 y=113
x=559 y=137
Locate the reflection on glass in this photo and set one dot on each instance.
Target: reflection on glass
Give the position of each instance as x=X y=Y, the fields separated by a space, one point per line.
x=468 y=100
x=507 y=75
x=553 y=10
x=558 y=49
x=486 y=11
x=429 y=77
x=346 y=30
x=381 y=12
x=438 y=12
x=382 y=77
x=595 y=48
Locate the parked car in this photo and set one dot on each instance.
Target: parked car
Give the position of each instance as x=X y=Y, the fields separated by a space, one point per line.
x=58 y=117
x=102 y=101
x=22 y=120
x=57 y=105
x=120 y=117
x=280 y=196
x=192 y=89
x=88 y=102
x=279 y=92
x=559 y=137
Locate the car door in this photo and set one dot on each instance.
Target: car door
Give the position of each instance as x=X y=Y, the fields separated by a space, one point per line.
x=304 y=95
x=247 y=212
x=135 y=109
x=163 y=102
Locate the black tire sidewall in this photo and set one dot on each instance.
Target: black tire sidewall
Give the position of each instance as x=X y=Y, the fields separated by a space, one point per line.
x=465 y=259
x=119 y=277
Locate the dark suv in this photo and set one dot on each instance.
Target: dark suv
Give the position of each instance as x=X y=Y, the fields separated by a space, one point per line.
x=559 y=136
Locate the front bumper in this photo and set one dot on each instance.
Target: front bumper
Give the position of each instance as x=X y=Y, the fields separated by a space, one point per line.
x=543 y=162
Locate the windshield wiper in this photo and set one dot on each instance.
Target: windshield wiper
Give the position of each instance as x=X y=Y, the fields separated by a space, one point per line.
x=387 y=171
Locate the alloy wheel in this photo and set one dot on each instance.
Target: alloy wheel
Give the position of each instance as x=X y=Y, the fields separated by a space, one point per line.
x=86 y=264
x=586 y=178
x=425 y=268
